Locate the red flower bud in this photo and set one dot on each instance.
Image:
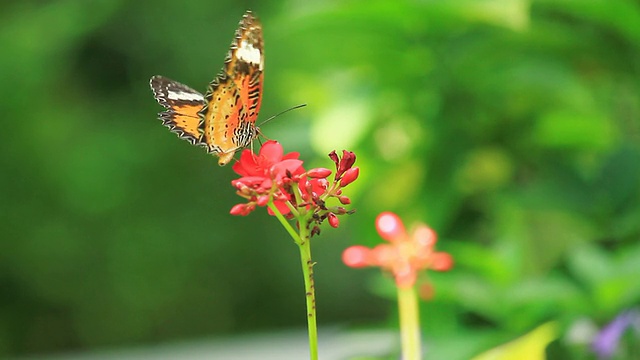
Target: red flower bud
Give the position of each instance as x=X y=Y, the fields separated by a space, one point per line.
x=344 y=200
x=347 y=161
x=333 y=220
x=349 y=176
x=241 y=209
x=318 y=173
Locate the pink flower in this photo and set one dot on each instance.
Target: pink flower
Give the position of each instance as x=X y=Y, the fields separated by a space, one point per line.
x=405 y=255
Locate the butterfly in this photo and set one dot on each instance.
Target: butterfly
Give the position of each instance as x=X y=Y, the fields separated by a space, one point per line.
x=224 y=119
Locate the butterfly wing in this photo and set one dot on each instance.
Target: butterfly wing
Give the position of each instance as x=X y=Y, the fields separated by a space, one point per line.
x=183 y=105
x=224 y=119
x=245 y=63
x=234 y=96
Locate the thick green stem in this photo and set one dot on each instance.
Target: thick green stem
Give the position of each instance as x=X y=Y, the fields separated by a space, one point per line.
x=409 y=323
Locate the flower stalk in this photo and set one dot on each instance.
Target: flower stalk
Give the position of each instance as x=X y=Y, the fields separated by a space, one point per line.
x=409 y=323
x=289 y=192
x=310 y=293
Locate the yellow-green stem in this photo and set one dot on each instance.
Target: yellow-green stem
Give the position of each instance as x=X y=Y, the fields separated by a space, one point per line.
x=409 y=323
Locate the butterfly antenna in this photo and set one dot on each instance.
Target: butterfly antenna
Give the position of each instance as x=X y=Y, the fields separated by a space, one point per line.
x=282 y=112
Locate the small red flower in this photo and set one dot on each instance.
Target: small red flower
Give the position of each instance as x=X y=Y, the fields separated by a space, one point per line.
x=405 y=255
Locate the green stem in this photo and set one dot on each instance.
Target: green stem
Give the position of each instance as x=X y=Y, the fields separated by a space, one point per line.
x=304 y=245
x=409 y=323
x=310 y=292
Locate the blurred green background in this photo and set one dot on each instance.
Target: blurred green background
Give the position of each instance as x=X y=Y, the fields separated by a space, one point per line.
x=511 y=127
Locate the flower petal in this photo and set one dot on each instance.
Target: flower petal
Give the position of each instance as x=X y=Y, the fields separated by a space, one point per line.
x=356 y=256
x=290 y=165
x=291 y=155
x=390 y=226
x=247 y=165
x=272 y=151
x=424 y=236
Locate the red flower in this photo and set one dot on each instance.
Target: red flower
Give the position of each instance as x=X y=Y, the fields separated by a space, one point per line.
x=405 y=255
x=272 y=176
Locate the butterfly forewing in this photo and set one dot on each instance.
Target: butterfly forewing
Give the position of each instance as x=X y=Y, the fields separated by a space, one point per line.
x=245 y=63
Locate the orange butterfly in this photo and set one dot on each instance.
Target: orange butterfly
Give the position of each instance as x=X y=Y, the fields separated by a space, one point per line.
x=224 y=119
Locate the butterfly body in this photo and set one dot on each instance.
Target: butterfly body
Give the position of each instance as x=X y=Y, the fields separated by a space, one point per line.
x=224 y=119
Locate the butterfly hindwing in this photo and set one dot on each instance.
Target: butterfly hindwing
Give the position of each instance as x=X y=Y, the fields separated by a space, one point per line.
x=183 y=105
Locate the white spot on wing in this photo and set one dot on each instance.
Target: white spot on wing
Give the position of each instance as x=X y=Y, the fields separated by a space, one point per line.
x=248 y=53
x=181 y=95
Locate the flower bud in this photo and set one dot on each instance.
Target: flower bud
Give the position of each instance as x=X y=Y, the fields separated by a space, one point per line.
x=349 y=176
x=344 y=200
x=347 y=161
x=340 y=210
x=318 y=173
x=241 y=209
x=333 y=220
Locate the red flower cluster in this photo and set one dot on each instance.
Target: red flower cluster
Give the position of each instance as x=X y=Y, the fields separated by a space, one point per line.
x=406 y=254
x=274 y=176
